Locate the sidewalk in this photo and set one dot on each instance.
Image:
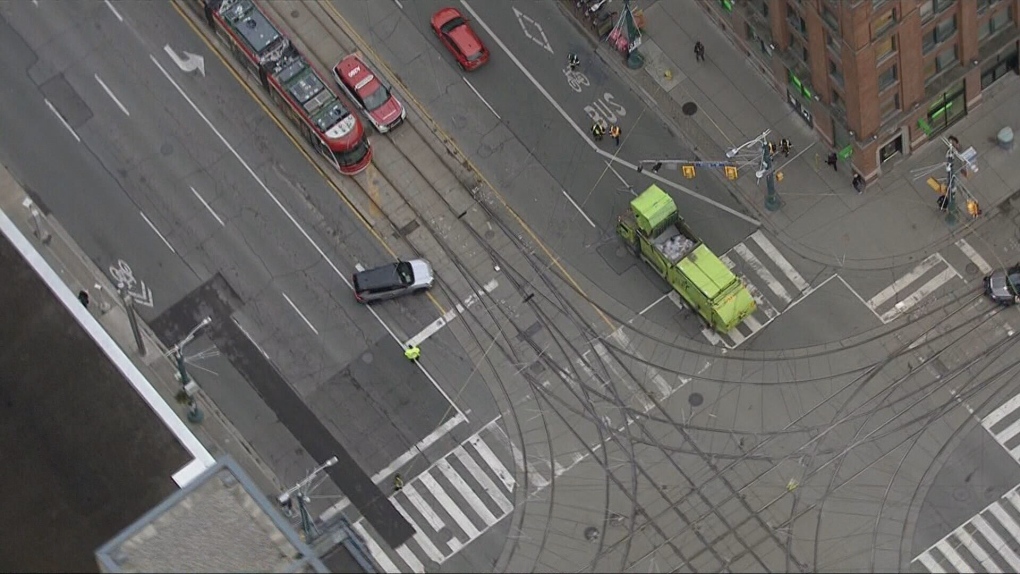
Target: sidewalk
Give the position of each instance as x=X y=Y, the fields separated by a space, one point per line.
x=894 y=222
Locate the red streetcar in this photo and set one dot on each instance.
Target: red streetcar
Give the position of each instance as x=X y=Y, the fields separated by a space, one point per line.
x=293 y=84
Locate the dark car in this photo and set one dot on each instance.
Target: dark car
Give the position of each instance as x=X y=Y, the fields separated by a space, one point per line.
x=1002 y=285
x=456 y=34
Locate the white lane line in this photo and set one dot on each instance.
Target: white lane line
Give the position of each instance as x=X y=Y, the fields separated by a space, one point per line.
x=376 y=551
x=359 y=267
x=399 y=5
x=448 y=505
x=483 y=480
x=915 y=297
x=294 y=221
x=974 y=256
x=250 y=338
x=426 y=544
x=654 y=303
x=481 y=98
x=577 y=207
x=629 y=187
x=535 y=479
x=109 y=92
x=762 y=272
x=584 y=136
x=884 y=295
x=450 y=315
x=206 y=204
x=494 y=463
x=777 y=257
x=114 y=10
x=156 y=231
x=62 y=120
x=466 y=492
x=419 y=447
x=300 y=314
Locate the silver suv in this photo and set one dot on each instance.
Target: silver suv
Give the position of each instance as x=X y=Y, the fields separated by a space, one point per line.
x=393 y=280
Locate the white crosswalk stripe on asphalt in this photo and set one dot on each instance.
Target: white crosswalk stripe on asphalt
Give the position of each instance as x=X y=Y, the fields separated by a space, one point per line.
x=450 y=504
x=770 y=278
x=979 y=545
x=907 y=291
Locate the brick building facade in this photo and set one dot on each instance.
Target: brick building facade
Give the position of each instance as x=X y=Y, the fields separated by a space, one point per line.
x=876 y=78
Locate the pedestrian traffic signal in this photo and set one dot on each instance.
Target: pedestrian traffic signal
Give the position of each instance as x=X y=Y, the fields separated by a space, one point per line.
x=973 y=209
x=688 y=171
x=731 y=172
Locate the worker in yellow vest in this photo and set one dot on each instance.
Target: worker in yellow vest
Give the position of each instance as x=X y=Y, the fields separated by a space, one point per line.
x=412 y=353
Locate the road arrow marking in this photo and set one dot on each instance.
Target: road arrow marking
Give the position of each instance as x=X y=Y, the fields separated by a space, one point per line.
x=189 y=63
x=522 y=18
x=144 y=297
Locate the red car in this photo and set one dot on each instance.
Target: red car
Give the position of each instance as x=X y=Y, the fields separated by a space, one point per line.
x=369 y=93
x=458 y=37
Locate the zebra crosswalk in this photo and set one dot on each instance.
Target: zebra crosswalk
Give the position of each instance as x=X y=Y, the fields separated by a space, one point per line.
x=927 y=277
x=758 y=262
x=988 y=542
x=456 y=500
x=1004 y=425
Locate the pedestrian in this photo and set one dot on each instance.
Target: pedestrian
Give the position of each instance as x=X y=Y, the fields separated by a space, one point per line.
x=598 y=130
x=614 y=132
x=833 y=161
x=858 y=183
x=573 y=62
x=699 y=51
x=83 y=296
x=398 y=482
x=943 y=202
x=784 y=144
x=412 y=353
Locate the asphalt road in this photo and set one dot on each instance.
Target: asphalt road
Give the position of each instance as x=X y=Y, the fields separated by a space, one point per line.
x=213 y=185
x=83 y=455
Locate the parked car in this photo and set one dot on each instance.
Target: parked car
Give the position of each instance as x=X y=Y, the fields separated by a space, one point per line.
x=456 y=34
x=369 y=93
x=1003 y=285
x=393 y=280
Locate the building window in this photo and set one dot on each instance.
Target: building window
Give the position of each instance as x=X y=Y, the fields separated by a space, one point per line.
x=890 y=107
x=997 y=23
x=983 y=5
x=830 y=18
x=796 y=20
x=940 y=33
x=798 y=49
x=887 y=78
x=885 y=48
x=946 y=59
x=940 y=5
x=926 y=10
x=835 y=73
x=837 y=101
x=883 y=23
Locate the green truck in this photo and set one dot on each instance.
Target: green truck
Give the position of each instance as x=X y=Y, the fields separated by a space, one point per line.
x=654 y=230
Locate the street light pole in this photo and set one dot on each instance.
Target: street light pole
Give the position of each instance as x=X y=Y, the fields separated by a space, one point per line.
x=300 y=492
x=951 y=186
x=189 y=388
x=766 y=167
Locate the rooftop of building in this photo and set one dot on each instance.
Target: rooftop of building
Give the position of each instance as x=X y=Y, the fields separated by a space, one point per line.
x=220 y=522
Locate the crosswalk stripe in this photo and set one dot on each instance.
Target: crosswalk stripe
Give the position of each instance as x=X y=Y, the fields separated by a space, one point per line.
x=426 y=544
x=930 y=563
x=447 y=504
x=458 y=482
x=410 y=559
x=737 y=337
x=608 y=360
x=915 y=297
x=752 y=324
x=884 y=295
x=762 y=272
x=494 y=463
x=712 y=337
x=1014 y=499
x=777 y=257
x=1000 y=413
x=1000 y=545
x=651 y=372
x=974 y=256
x=377 y=553
x=423 y=507
x=954 y=558
x=727 y=261
x=1008 y=433
x=975 y=548
x=483 y=479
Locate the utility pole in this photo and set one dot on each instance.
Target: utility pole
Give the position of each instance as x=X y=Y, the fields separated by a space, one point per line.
x=129 y=306
x=190 y=389
x=300 y=492
x=759 y=152
x=956 y=162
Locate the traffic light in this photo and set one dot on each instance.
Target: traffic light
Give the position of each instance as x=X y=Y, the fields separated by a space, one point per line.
x=688 y=171
x=731 y=172
x=779 y=176
x=973 y=209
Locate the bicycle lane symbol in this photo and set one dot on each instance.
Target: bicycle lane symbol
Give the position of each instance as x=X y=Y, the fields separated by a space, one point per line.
x=123 y=275
x=576 y=80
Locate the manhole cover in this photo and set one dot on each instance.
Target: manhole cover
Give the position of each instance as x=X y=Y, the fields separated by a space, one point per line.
x=689 y=108
x=695 y=399
x=591 y=534
x=367 y=358
x=490 y=233
x=971 y=269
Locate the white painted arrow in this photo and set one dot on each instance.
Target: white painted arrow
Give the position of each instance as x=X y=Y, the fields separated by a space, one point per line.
x=189 y=63
x=144 y=297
